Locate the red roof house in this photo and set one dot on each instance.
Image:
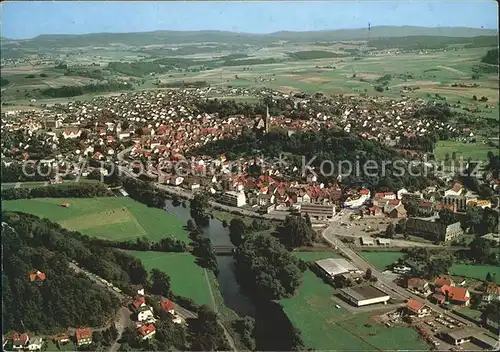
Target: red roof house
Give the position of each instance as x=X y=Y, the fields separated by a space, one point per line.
x=37 y=275
x=147 y=331
x=456 y=295
x=443 y=281
x=416 y=307
x=83 y=336
x=167 y=305
x=139 y=302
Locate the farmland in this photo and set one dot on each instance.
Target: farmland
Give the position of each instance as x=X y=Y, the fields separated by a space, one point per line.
x=324 y=327
x=107 y=217
x=186 y=277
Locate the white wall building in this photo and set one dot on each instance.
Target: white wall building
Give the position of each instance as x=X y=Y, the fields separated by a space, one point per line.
x=235 y=199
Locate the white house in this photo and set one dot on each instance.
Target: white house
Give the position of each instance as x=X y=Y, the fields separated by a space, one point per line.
x=145 y=315
x=235 y=199
x=71 y=134
x=35 y=344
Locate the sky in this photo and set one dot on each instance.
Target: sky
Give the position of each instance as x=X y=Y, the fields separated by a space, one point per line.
x=27 y=19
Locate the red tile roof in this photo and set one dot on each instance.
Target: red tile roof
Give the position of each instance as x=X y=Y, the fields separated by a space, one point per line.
x=458 y=294
x=37 y=275
x=167 y=305
x=147 y=330
x=83 y=333
x=416 y=282
x=138 y=302
x=20 y=339
x=415 y=305
x=441 y=281
x=364 y=191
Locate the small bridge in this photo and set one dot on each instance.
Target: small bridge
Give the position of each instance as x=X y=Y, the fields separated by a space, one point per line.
x=224 y=250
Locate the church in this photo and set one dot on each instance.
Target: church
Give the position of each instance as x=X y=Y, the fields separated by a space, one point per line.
x=262 y=123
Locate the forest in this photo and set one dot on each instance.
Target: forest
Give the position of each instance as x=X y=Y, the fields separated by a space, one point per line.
x=63 y=299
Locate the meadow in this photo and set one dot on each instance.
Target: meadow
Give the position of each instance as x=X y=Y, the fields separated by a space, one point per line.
x=382 y=259
x=475 y=151
x=113 y=218
x=187 y=278
x=324 y=327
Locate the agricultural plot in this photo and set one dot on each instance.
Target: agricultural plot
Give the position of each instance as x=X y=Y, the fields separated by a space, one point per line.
x=475 y=151
x=104 y=217
x=324 y=327
x=186 y=277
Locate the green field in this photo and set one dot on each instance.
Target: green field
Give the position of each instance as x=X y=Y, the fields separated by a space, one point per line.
x=478 y=272
x=475 y=151
x=381 y=260
x=186 y=277
x=114 y=218
x=324 y=327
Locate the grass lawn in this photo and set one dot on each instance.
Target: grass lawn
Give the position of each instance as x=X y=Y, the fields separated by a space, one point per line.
x=52 y=347
x=478 y=272
x=186 y=277
x=475 y=151
x=313 y=256
x=114 y=218
x=324 y=327
x=381 y=259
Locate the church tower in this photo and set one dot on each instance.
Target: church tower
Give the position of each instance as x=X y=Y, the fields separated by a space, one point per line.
x=266 y=121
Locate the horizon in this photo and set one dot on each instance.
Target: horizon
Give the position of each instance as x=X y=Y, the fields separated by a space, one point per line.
x=27 y=20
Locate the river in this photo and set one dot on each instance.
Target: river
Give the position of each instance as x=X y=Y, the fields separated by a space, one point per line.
x=219 y=236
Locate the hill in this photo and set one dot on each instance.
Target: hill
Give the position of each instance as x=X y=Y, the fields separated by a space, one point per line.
x=183 y=37
x=58 y=298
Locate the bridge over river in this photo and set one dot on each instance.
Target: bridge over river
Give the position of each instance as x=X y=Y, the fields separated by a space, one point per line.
x=224 y=250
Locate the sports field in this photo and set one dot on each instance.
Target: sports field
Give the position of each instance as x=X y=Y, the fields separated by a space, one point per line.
x=113 y=218
x=475 y=151
x=381 y=260
x=324 y=327
x=186 y=277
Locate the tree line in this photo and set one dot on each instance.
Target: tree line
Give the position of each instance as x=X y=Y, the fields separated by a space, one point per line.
x=73 y=91
x=72 y=190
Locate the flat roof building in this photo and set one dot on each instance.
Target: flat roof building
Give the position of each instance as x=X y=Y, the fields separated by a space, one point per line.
x=364 y=295
x=319 y=211
x=367 y=241
x=335 y=266
x=235 y=199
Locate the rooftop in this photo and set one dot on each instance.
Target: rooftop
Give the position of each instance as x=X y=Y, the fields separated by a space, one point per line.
x=364 y=292
x=335 y=266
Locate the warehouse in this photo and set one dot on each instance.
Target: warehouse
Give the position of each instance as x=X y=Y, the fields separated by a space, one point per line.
x=364 y=295
x=332 y=267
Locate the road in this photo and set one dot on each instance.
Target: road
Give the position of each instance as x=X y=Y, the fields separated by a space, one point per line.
x=330 y=236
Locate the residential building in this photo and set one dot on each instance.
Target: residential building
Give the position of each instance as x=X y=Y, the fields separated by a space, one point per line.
x=459 y=202
x=425 y=208
x=318 y=211
x=235 y=199
x=140 y=302
x=456 y=295
x=147 y=331
x=83 y=336
x=492 y=320
x=365 y=295
x=491 y=293
x=456 y=190
x=432 y=230
x=20 y=341
x=417 y=308
x=418 y=286
x=35 y=344
x=145 y=314
x=443 y=281
x=37 y=275
x=167 y=305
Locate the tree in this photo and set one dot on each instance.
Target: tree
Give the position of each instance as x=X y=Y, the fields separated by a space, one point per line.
x=296 y=232
x=368 y=274
x=390 y=231
x=454 y=156
x=237 y=231
x=245 y=328
x=480 y=249
x=190 y=225
x=205 y=332
x=447 y=217
x=160 y=283
x=265 y=269
x=473 y=218
x=474 y=97
x=308 y=220
x=489 y=278
x=447 y=157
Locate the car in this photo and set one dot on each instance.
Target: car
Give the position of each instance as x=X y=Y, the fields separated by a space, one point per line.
x=337 y=306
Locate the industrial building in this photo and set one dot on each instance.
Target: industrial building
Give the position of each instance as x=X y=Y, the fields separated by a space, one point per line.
x=332 y=267
x=318 y=211
x=235 y=199
x=364 y=295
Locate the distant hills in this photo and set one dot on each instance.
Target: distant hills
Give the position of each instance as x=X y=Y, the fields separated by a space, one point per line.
x=183 y=37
